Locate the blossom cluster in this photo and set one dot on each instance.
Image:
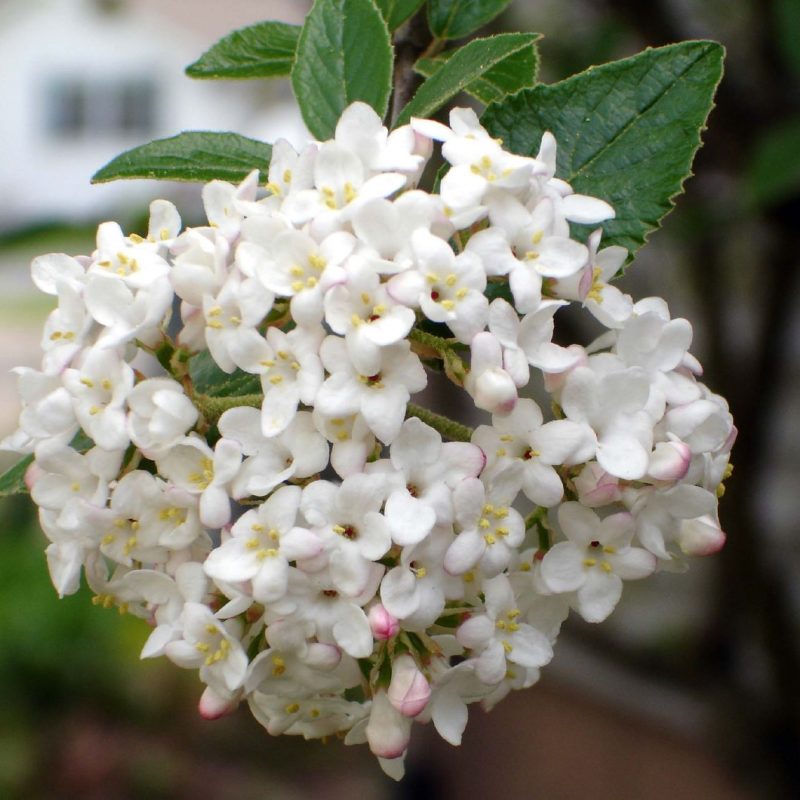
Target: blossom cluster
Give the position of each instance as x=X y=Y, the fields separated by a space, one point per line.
x=313 y=544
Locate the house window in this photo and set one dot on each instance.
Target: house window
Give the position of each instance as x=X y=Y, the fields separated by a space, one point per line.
x=92 y=109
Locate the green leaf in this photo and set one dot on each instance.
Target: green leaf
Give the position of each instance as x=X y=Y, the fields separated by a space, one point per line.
x=627 y=131
x=208 y=378
x=12 y=481
x=455 y=19
x=264 y=50
x=773 y=174
x=344 y=54
x=190 y=156
x=786 y=24
x=516 y=71
x=396 y=12
x=468 y=64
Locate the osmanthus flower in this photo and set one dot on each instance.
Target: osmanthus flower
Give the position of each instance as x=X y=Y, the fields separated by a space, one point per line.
x=199 y=264
x=384 y=228
x=613 y=405
x=498 y=637
x=100 y=383
x=212 y=647
x=295 y=265
x=60 y=474
x=47 y=412
x=67 y=330
x=362 y=310
x=300 y=451
x=351 y=439
x=592 y=284
x=160 y=414
x=381 y=398
x=490 y=527
x=445 y=286
x=416 y=590
x=523 y=436
x=353 y=532
x=338 y=617
x=323 y=600
x=262 y=543
x=594 y=559
x=421 y=473
x=193 y=466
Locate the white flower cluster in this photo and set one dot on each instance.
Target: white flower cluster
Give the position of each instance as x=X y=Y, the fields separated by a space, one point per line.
x=315 y=549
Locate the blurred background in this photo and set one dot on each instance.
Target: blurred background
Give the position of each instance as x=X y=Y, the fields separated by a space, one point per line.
x=690 y=690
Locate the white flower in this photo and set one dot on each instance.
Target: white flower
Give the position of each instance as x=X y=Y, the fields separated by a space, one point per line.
x=160 y=414
x=594 y=560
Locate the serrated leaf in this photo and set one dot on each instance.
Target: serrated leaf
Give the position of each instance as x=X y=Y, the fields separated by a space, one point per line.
x=396 y=12
x=467 y=64
x=344 y=54
x=208 y=378
x=190 y=156
x=516 y=71
x=264 y=50
x=455 y=19
x=627 y=131
x=773 y=174
x=12 y=481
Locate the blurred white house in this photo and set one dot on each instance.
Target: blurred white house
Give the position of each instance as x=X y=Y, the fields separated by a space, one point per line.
x=83 y=80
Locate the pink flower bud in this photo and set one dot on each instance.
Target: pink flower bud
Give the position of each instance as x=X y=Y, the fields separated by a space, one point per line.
x=409 y=692
x=388 y=731
x=701 y=536
x=213 y=706
x=596 y=487
x=494 y=391
x=669 y=461
x=32 y=474
x=382 y=623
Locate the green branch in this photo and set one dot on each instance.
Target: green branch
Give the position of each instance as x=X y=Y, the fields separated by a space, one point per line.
x=449 y=428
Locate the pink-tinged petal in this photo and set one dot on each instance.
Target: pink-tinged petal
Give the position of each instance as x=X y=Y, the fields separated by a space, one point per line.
x=541 y=484
x=383 y=624
x=271 y=580
x=460 y=460
x=490 y=665
x=578 y=523
x=701 y=536
x=562 y=568
x=669 y=461
x=410 y=520
x=300 y=543
x=622 y=455
x=633 y=563
x=408 y=692
x=388 y=731
x=586 y=210
x=215 y=507
x=399 y=592
x=560 y=257
x=352 y=632
x=406 y=287
x=599 y=595
x=476 y=632
x=449 y=715
x=215 y=706
x=464 y=553
x=530 y=647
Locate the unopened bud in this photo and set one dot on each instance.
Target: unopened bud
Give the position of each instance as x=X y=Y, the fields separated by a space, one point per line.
x=409 y=692
x=382 y=623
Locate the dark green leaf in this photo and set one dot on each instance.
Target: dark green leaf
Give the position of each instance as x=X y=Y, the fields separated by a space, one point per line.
x=516 y=71
x=786 y=19
x=627 y=131
x=12 y=481
x=468 y=64
x=190 y=156
x=773 y=174
x=396 y=12
x=344 y=54
x=264 y=50
x=455 y=19
x=208 y=378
